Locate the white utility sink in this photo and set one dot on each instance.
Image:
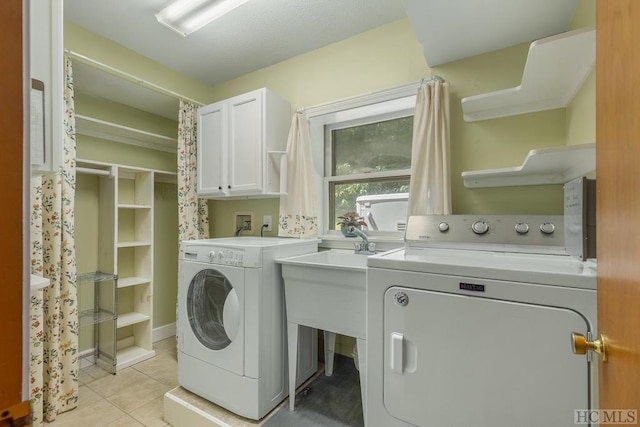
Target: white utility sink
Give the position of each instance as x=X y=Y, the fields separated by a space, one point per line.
x=326 y=290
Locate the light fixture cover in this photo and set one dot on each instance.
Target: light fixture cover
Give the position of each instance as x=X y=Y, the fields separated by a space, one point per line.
x=186 y=16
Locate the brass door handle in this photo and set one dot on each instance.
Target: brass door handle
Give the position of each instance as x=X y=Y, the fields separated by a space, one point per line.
x=582 y=345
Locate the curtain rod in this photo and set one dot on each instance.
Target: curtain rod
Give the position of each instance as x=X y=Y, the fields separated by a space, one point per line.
x=130 y=77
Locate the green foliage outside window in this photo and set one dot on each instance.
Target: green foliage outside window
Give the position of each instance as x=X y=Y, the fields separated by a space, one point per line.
x=376 y=147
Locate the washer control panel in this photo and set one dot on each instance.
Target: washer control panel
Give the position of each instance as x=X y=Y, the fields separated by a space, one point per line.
x=225 y=256
x=538 y=230
x=214 y=255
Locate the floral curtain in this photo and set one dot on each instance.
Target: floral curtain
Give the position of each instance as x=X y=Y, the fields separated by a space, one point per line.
x=54 y=384
x=430 y=187
x=298 y=208
x=193 y=213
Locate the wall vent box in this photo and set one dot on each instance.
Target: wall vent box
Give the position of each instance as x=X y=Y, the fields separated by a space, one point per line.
x=244 y=221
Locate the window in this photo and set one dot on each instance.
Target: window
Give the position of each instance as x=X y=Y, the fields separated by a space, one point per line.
x=362 y=159
x=367 y=168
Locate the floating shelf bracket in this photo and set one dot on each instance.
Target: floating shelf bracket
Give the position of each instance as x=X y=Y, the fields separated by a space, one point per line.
x=542 y=166
x=556 y=67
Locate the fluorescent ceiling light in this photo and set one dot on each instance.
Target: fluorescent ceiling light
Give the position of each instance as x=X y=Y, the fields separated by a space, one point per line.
x=186 y=16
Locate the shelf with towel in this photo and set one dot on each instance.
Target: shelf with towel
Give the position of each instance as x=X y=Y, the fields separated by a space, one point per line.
x=549 y=165
x=556 y=67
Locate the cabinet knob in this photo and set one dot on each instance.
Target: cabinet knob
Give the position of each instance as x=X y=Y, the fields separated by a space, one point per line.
x=229 y=187
x=220 y=187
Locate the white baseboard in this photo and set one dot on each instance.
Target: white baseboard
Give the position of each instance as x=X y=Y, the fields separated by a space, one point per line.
x=163 y=332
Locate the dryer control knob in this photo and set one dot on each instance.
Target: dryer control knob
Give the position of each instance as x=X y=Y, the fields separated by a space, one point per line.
x=212 y=255
x=547 y=228
x=522 y=228
x=480 y=227
x=443 y=226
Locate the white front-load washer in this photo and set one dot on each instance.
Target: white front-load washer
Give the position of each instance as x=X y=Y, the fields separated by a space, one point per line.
x=231 y=322
x=465 y=331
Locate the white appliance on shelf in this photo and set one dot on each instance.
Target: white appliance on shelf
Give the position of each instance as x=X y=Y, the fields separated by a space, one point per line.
x=232 y=347
x=470 y=324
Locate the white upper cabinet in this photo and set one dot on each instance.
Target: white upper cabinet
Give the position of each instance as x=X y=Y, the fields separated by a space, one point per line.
x=241 y=141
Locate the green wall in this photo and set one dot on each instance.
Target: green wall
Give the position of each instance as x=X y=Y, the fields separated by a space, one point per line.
x=391 y=55
x=91 y=148
x=581 y=112
x=378 y=59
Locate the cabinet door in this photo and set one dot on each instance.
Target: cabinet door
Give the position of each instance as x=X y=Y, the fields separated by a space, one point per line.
x=245 y=145
x=212 y=150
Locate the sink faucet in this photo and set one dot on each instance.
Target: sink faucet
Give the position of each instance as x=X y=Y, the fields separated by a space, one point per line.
x=365 y=247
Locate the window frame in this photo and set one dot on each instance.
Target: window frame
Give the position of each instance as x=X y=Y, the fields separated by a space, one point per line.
x=398 y=101
x=329 y=159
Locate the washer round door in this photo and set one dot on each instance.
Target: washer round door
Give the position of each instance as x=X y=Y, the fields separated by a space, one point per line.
x=211 y=315
x=213 y=309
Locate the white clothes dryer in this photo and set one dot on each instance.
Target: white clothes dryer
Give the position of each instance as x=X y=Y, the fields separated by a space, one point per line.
x=232 y=347
x=470 y=325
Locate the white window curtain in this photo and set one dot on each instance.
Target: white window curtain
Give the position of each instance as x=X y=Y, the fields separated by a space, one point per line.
x=54 y=344
x=193 y=212
x=430 y=187
x=298 y=208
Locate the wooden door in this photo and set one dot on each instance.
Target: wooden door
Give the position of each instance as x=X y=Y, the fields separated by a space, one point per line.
x=618 y=199
x=11 y=216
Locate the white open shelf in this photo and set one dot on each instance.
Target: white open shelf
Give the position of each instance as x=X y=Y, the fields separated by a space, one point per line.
x=97 y=128
x=555 y=69
x=132 y=318
x=125 y=282
x=133 y=244
x=131 y=355
x=552 y=165
x=131 y=206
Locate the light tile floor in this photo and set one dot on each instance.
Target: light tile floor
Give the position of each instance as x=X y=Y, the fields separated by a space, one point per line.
x=133 y=397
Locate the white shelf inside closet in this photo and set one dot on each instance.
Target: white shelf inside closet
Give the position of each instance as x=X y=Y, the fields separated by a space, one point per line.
x=97 y=128
x=126 y=210
x=556 y=67
x=550 y=165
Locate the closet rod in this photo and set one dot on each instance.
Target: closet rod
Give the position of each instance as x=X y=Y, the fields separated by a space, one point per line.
x=124 y=75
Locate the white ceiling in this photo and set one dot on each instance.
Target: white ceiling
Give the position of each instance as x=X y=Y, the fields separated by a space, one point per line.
x=260 y=33
x=454 y=29
x=255 y=35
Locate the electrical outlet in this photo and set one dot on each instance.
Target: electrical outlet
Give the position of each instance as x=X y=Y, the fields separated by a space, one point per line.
x=267 y=220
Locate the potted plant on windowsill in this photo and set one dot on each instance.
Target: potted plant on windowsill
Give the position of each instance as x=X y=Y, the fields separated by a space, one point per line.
x=348 y=222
